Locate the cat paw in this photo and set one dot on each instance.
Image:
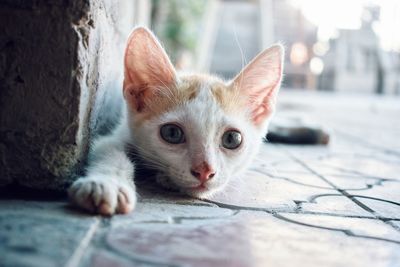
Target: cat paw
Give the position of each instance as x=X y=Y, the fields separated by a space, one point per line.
x=105 y=196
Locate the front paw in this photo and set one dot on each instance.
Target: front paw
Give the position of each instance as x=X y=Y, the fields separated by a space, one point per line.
x=103 y=195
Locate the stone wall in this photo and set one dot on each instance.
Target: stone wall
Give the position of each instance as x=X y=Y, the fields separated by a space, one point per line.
x=60 y=65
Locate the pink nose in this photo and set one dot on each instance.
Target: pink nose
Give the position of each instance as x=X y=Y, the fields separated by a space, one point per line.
x=203 y=172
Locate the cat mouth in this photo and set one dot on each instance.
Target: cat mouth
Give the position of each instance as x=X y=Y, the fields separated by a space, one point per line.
x=198 y=189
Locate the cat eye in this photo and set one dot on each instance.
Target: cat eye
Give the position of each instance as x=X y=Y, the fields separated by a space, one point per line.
x=231 y=139
x=172 y=134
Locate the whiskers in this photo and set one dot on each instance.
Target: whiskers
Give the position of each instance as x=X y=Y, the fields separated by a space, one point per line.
x=146 y=158
x=243 y=58
x=177 y=177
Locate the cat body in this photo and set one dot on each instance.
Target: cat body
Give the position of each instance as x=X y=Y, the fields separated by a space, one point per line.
x=197 y=131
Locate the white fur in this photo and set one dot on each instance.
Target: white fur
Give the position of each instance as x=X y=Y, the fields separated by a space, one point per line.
x=204 y=123
x=110 y=172
x=108 y=186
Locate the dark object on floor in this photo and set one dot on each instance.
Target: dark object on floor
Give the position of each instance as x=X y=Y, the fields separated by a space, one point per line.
x=297 y=133
x=15 y=191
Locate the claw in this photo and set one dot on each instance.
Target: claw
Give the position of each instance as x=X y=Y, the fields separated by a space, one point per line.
x=104 y=196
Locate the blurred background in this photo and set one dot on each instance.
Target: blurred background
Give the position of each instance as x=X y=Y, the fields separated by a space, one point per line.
x=332 y=45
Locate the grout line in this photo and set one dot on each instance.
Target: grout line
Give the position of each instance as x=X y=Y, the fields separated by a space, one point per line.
x=280 y=211
x=346 y=232
x=368 y=144
x=279 y=215
x=341 y=191
x=133 y=258
x=80 y=250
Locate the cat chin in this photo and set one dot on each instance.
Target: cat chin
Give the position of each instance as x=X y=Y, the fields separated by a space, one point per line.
x=205 y=191
x=196 y=192
x=200 y=193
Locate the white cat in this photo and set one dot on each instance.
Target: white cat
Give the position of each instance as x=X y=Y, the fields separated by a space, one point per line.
x=196 y=130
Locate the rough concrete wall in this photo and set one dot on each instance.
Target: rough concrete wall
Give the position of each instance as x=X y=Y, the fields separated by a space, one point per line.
x=58 y=62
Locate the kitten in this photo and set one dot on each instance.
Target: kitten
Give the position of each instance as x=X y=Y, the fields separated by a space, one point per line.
x=196 y=130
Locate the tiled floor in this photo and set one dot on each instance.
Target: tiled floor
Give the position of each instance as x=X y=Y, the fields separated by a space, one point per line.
x=337 y=205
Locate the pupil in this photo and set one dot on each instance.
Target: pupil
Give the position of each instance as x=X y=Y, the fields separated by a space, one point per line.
x=173 y=133
x=231 y=138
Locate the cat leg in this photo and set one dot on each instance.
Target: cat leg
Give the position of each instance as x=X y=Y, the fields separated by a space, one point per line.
x=108 y=186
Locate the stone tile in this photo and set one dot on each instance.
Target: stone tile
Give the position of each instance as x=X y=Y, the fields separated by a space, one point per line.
x=277 y=167
x=257 y=239
x=384 y=200
x=258 y=190
x=151 y=192
x=333 y=204
x=389 y=190
x=274 y=159
x=366 y=166
x=103 y=258
x=355 y=182
x=306 y=179
x=371 y=137
x=169 y=213
x=371 y=228
x=396 y=224
x=272 y=153
x=381 y=207
x=338 y=159
x=56 y=210
x=40 y=233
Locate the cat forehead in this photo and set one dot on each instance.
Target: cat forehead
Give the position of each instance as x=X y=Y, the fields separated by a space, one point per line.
x=210 y=89
x=200 y=105
x=207 y=105
x=203 y=93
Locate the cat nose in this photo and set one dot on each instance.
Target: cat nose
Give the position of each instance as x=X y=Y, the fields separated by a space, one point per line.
x=203 y=172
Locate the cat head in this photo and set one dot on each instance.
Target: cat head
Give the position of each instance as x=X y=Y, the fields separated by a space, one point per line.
x=197 y=130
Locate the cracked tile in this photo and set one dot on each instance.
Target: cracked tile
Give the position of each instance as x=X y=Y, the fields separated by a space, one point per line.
x=169 y=214
x=355 y=182
x=261 y=191
x=361 y=227
x=333 y=204
x=382 y=207
x=388 y=191
x=396 y=224
x=361 y=164
x=274 y=159
x=305 y=179
x=258 y=239
x=384 y=200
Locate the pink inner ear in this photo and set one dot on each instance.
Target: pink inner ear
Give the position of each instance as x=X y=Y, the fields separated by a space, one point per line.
x=147 y=68
x=260 y=81
x=263 y=110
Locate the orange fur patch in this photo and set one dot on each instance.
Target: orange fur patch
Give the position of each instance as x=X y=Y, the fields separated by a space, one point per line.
x=164 y=99
x=226 y=96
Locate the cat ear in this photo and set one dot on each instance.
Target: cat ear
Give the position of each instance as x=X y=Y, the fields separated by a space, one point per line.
x=260 y=80
x=147 y=69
